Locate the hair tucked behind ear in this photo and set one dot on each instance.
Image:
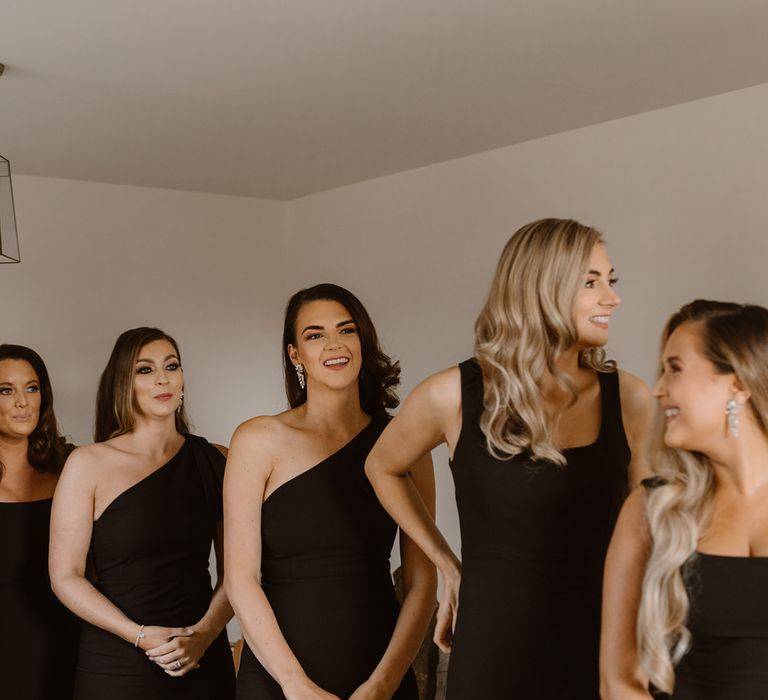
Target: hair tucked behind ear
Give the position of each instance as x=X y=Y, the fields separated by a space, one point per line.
x=47 y=450
x=734 y=338
x=525 y=324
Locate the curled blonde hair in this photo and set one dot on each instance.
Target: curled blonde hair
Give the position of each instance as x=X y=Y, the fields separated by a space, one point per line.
x=525 y=324
x=734 y=338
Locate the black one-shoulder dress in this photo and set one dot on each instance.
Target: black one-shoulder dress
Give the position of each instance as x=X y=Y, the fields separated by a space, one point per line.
x=150 y=550
x=533 y=538
x=38 y=635
x=326 y=542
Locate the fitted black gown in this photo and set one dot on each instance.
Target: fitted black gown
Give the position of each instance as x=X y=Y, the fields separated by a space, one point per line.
x=728 y=620
x=326 y=542
x=533 y=538
x=150 y=551
x=38 y=635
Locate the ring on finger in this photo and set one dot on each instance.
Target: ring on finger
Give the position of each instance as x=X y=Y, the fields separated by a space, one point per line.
x=176 y=665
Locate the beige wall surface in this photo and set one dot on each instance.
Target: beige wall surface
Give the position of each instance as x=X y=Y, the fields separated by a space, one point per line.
x=99 y=259
x=679 y=193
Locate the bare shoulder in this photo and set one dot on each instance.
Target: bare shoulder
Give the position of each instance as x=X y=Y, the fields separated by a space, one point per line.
x=441 y=389
x=262 y=435
x=89 y=464
x=636 y=399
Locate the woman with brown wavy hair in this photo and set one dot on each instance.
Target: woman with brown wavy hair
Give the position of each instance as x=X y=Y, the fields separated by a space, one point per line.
x=545 y=437
x=132 y=525
x=687 y=569
x=39 y=636
x=307 y=542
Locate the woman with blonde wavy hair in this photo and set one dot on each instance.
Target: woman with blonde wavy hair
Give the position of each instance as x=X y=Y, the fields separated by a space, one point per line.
x=544 y=436
x=688 y=565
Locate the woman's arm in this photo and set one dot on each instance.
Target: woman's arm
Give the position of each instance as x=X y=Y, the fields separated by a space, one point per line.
x=621 y=677
x=430 y=415
x=248 y=467
x=420 y=587
x=71 y=528
x=637 y=416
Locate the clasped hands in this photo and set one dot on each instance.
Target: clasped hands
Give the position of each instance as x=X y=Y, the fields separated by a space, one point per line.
x=177 y=650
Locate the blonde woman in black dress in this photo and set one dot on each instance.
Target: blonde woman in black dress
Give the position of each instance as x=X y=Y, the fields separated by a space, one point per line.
x=545 y=438
x=307 y=542
x=38 y=643
x=142 y=505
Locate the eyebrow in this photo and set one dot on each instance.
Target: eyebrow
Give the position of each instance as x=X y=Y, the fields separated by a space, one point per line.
x=152 y=362
x=598 y=273
x=322 y=328
x=31 y=381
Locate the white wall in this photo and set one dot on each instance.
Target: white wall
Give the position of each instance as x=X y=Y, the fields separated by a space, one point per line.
x=679 y=193
x=99 y=259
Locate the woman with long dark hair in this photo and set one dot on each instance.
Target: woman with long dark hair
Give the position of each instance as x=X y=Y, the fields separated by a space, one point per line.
x=307 y=543
x=545 y=436
x=687 y=569
x=38 y=641
x=139 y=510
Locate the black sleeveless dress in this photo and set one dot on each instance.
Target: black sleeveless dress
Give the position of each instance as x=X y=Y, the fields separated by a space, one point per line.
x=150 y=550
x=728 y=620
x=534 y=538
x=326 y=542
x=38 y=635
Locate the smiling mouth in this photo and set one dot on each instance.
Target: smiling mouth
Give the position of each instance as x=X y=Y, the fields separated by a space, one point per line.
x=600 y=320
x=336 y=362
x=671 y=412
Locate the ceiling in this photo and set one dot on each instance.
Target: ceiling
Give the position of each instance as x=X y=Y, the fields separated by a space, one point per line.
x=282 y=98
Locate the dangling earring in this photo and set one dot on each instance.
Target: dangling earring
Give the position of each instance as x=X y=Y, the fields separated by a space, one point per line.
x=181 y=402
x=300 y=374
x=732 y=410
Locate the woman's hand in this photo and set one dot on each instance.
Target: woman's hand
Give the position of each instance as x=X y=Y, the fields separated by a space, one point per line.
x=177 y=650
x=446 y=613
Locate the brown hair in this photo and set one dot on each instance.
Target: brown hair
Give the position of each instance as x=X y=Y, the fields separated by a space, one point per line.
x=379 y=374
x=115 y=402
x=48 y=449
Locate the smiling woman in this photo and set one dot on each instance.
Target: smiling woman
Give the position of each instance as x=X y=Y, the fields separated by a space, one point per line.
x=545 y=437
x=143 y=505
x=307 y=543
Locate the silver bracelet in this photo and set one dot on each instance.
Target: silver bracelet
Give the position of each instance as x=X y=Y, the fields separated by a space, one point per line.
x=139 y=636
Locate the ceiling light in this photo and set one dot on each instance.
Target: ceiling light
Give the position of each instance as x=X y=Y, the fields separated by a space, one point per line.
x=9 y=237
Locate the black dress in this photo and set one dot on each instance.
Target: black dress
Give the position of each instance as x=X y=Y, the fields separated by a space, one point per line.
x=38 y=635
x=728 y=620
x=150 y=551
x=728 y=659
x=534 y=538
x=326 y=542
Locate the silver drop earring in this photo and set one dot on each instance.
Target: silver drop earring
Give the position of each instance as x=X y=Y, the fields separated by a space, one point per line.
x=300 y=374
x=732 y=410
x=181 y=402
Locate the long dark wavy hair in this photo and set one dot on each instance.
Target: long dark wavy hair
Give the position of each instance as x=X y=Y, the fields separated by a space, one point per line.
x=115 y=401
x=48 y=449
x=379 y=374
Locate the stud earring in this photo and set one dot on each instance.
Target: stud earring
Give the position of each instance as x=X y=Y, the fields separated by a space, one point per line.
x=732 y=410
x=300 y=374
